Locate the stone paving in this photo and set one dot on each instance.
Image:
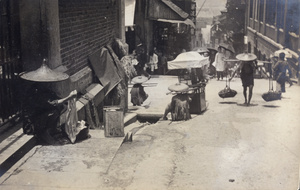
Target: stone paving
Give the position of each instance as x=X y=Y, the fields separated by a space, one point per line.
x=81 y=165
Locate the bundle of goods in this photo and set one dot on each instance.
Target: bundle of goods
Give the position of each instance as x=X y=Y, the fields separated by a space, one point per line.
x=271 y=95
x=227 y=92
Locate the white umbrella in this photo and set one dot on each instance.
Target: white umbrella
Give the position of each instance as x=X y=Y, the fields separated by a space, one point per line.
x=201 y=49
x=189 y=59
x=286 y=52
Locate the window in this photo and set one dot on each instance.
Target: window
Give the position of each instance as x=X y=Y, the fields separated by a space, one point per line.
x=261 y=10
x=251 y=9
x=270 y=12
x=293 y=14
x=280 y=13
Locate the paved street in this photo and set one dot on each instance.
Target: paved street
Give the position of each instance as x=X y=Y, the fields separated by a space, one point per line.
x=228 y=147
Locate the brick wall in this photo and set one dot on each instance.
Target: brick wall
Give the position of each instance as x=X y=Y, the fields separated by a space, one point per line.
x=85 y=26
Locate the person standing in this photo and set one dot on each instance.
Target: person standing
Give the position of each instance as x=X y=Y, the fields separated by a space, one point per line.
x=141 y=61
x=280 y=69
x=153 y=62
x=220 y=63
x=247 y=69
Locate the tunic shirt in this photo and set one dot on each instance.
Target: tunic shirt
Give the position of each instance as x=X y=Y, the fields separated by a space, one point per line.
x=247 y=71
x=220 y=64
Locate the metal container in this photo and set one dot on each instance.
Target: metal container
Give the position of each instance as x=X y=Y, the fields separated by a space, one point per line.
x=198 y=103
x=113 y=117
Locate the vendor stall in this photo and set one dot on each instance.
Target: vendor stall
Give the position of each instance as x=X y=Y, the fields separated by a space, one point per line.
x=191 y=65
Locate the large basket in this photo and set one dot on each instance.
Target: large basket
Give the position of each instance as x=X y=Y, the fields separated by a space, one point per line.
x=227 y=93
x=271 y=96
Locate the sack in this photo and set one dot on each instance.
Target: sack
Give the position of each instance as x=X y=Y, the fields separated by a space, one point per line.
x=227 y=93
x=271 y=96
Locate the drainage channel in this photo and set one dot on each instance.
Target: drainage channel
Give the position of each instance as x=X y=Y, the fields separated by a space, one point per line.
x=147 y=120
x=150 y=118
x=140 y=122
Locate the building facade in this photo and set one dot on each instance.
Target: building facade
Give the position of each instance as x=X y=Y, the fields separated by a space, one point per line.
x=65 y=32
x=272 y=25
x=168 y=26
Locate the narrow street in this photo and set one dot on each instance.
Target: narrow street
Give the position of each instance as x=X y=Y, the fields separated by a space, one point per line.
x=227 y=147
x=84 y=83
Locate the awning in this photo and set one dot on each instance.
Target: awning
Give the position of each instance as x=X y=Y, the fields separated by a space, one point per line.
x=129 y=12
x=187 y=21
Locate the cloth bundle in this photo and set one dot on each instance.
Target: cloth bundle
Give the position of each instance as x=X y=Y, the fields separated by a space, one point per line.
x=271 y=96
x=227 y=93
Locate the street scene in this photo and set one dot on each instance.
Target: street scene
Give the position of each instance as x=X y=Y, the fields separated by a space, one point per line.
x=150 y=94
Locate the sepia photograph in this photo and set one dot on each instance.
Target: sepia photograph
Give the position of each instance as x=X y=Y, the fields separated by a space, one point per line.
x=149 y=95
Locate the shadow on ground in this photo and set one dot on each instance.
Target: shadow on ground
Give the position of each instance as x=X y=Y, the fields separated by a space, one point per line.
x=227 y=102
x=271 y=106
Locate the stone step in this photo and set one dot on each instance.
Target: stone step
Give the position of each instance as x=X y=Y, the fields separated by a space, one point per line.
x=15 y=146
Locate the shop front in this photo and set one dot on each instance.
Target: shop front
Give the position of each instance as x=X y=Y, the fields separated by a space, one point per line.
x=164 y=26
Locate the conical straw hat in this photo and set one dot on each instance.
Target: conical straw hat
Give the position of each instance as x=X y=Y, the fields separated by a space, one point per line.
x=44 y=74
x=246 y=57
x=179 y=87
x=139 y=79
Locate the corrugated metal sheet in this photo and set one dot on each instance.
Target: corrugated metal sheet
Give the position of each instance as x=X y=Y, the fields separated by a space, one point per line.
x=175 y=8
x=165 y=9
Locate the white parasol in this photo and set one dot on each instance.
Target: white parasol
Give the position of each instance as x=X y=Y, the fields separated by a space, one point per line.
x=191 y=59
x=286 y=52
x=201 y=49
